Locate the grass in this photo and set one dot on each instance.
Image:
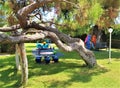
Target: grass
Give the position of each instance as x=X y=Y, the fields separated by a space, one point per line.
x=68 y=73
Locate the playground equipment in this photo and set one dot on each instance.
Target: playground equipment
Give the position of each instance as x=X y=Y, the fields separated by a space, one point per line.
x=44 y=51
x=91 y=43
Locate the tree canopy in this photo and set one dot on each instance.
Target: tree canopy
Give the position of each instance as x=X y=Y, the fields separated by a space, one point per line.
x=74 y=14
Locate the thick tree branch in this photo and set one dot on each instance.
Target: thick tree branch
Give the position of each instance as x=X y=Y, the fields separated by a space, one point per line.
x=62 y=36
x=11 y=28
x=59 y=43
x=26 y=38
x=70 y=43
x=22 y=38
x=76 y=44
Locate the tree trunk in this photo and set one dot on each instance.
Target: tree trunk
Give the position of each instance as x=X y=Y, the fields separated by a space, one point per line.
x=24 y=64
x=73 y=44
x=17 y=59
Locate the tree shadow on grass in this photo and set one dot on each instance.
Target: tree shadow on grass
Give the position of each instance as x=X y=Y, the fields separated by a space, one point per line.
x=9 y=74
x=9 y=78
x=84 y=74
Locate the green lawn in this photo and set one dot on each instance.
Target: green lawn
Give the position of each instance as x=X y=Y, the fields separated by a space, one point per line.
x=68 y=73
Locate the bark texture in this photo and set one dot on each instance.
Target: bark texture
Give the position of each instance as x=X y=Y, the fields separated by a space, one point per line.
x=24 y=64
x=17 y=59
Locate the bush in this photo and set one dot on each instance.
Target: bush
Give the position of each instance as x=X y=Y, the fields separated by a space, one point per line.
x=7 y=48
x=115 y=43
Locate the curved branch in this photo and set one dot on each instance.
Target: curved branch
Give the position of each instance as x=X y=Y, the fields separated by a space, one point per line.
x=71 y=43
x=76 y=44
x=11 y=28
x=22 y=38
x=62 y=36
x=59 y=43
x=26 y=38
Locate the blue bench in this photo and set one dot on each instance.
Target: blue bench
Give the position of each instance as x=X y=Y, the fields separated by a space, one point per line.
x=47 y=53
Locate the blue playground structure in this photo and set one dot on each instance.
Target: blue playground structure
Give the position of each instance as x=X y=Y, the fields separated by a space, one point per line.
x=44 y=51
